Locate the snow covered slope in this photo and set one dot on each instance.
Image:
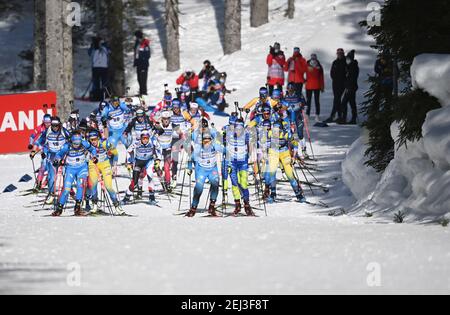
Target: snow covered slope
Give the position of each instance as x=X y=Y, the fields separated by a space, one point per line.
x=320 y=26
x=416 y=182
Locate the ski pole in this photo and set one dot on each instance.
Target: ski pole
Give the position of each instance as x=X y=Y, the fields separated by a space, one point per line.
x=306 y=179
x=34 y=172
x=190 y=190
x=182 y=189
x=207 y=198
x=309 y=135
x=161 y=181
x=310 y=173
x=260 y=180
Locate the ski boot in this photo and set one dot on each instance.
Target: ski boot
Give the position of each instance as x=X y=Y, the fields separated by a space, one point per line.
x=77 y=210
x=237 y=208
x=305 y=154
x=37 y=188
x=173 y=184
x=168 y=188
x=50 y=200
x=248 y=209
x=272 y=198
x=301 y=197
x=127 y=199
x=94 y=208
x=152 y=199
x=140 y=193
x=266 y=194
x=59 y=210
x=118 y=209
x=212 y=209
x=191 y=212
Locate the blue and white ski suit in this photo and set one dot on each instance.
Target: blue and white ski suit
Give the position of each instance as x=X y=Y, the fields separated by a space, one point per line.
x=76 y=163
x=51 y=143
x=116 y=117
x=205 y=158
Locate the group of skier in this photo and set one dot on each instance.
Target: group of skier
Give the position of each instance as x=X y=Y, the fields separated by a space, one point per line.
x=176 y=135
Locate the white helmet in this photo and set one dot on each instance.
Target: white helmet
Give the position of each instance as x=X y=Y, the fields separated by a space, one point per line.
x=193 y=106
x=166 y=115
x=145 y=133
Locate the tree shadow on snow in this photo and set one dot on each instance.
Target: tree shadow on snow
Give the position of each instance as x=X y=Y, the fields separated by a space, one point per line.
x=219 y=10
x=156 y=10
x=19 y=278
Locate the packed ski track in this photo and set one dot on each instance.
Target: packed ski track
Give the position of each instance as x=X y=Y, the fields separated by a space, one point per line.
x=296 y=248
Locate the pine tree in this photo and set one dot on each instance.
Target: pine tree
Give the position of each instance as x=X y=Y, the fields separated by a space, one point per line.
x=408 y=28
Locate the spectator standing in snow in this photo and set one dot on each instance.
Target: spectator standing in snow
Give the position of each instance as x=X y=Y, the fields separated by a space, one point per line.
x=276 y=62
x=338 y=76
x=189 y=79
x=315 y=84
x=384 y=71
x=142 y=54
x=99 y=53
x=296 y=67
x=351 y=86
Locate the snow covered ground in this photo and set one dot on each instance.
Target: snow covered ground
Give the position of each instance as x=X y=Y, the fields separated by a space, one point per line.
x=296 y=249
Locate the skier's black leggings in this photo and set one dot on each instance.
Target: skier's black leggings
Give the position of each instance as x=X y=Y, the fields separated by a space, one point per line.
x=139 y=167
x=309 y=95
x=338 y=91
x=349 y=97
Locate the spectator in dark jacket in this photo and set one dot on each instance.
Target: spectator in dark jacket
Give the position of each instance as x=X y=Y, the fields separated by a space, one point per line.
x=384 y=71
x=209 y=74
x=142 y=54
x=338 y=75
x=351 y=86
x=99 y=53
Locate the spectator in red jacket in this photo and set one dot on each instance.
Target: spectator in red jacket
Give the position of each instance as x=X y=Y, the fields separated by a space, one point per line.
x=315 y=84
x=189 y=78
x=276 y=62
x=296 y=66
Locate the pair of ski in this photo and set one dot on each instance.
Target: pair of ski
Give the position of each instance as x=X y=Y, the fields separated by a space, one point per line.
x=318 y=204
x=228 y=215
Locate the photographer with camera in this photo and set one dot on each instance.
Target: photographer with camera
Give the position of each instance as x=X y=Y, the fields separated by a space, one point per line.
x=276 y=62
x=99 y=53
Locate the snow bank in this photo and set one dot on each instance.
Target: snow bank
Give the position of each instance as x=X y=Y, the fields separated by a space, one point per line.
x=416 y=182
x=354 y=170
x=431 y=72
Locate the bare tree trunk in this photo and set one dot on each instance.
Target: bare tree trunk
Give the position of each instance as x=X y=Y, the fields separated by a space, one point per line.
x=259 y=12
x=291 y=9
x=173 y=45
x=59 y=67
x=232 y=26
x=39 y=66
x=115 y=26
